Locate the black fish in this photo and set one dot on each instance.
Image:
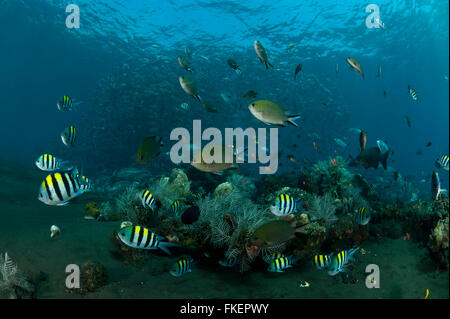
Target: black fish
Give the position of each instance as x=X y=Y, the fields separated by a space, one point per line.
x=297 y=69
x=419 y=152
x=428 y=144
x=190 y=215
x=371 y=157
x=408 y=121
x=250 y=94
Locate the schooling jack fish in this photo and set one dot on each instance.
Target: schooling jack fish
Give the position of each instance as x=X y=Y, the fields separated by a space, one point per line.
x=355 y=65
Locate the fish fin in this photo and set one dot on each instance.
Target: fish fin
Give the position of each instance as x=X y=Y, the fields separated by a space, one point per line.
x=220 y=173
x=160 y=141
x=199 y=98
x=63 y=203
x=163 y=245
x=269 y=64
x=291 y=119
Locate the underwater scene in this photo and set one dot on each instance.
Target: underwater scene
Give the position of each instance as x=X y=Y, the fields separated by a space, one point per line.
x=206 y=149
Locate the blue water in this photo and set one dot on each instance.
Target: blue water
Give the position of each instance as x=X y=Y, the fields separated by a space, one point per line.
x=121 y=67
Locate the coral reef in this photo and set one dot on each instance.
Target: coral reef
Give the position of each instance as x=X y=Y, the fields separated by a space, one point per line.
x=13 y=282
x=228 y=222
x=322 y=209
x=169 y=189
x=223 y=189
x=438 y=242
x=93 y=275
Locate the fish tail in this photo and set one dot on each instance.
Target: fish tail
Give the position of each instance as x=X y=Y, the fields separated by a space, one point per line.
x=164 y=245
x=291 y=119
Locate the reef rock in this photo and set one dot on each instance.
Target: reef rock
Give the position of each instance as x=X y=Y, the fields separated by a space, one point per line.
x=93 y=275
x=438 y=241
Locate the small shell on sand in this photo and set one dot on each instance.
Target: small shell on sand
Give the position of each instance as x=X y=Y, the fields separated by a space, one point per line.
x=125 y=224
x=54 y=230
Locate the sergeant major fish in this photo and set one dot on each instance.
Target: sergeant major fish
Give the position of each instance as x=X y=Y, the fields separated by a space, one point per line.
x=284 y=205
x=322 y=261
x=147 y=199
x=282 y=263
x=64 y=103
x=68 y=136
x=443 y=162
x=413 y=93
x=341 y=260
x=59 y=188
x=182 y=266
x=143 y=238
x=48 y=162
x=362 y=216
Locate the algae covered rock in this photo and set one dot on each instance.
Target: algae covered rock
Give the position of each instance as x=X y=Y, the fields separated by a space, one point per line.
x=223 y=189
x=93 y=275
x=438 y=242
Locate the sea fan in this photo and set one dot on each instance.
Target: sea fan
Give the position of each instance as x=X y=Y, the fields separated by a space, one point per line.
x=126 y=201
x=323 y=209
x=12 y=277
x=227 y=222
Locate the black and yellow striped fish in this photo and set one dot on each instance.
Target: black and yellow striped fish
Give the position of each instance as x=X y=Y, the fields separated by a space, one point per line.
x=175 y=207
x=340 y=260
x=322 y=261
x=64 y=103
x=277 y=255
x=143 y=238
x=284 y=205
x=147 y=199
x=443 y=162
x=362 y=216
x=281 y=263
x=60 y=187
x=413 y=93
x=69 y=135
x=182 y=266
x=48 y=162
